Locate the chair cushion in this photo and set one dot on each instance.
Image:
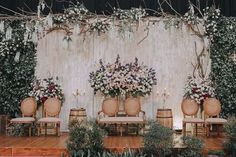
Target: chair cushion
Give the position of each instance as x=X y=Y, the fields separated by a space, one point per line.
x=23 y=120
x=122 y=120
x=193 y=120
x=215 y=120
x=49 y=120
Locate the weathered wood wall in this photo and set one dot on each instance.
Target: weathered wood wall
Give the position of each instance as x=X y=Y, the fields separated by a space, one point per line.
x=171 y=52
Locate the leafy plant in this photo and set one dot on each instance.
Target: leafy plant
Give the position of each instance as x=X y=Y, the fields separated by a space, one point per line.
x=17 y=68
x=230 y=131
x=85 y=138
x=158 y=141
x=223 y=74
x=219 y=153
x=194 y=147
x=108 y=154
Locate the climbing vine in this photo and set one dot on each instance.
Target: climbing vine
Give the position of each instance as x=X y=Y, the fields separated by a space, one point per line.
x=223 y=50
x=17 y=64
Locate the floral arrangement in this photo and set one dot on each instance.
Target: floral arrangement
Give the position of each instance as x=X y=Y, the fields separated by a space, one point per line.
x=210 y=17
x=116 y=79
x=134 y=14
x=107 y=79
x=73 y=14
x=190 y=17
x=42 y=89
x=139 y=79
x=199 y=90
x=100 y=26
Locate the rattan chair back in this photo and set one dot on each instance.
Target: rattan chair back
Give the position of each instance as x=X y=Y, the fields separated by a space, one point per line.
x=189 y=107
x=52 y=107
x=212 y=107
x=28 y=107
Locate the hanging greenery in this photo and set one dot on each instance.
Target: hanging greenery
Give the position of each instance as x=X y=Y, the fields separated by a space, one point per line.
x=17 y=64
x=223 y=48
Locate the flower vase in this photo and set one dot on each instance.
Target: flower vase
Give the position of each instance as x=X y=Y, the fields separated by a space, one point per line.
x=110 y=106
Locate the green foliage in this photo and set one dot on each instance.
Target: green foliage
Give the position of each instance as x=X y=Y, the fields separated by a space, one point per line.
x=194 y=147
x=230 y=131
x=158 y=141
x=17 y=67
x=219 y=153
x=85 y=138
x=223 y=66
x=108 y=154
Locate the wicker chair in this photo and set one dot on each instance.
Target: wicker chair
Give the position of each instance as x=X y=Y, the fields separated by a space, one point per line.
x=28 y=108
x=190 y=108
x=52 y=108
x=212 y=109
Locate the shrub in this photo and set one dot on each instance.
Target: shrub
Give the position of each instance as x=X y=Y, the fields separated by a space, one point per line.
x=194 y=147
x=230 y=131
x=158 y=141
x=219 y=153
x=85 y=138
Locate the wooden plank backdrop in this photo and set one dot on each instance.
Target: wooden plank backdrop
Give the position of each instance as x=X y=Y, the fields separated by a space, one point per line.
x=171 y=52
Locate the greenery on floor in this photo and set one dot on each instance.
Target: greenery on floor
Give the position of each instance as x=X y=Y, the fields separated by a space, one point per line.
x=230 y=131
x=194 y=147
x=223 y=55
x=17 y=67
x=86 y=139
x=158 y=140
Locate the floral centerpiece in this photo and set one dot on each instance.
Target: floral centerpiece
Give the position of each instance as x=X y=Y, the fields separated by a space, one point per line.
x=199 y=90
x=108 y=78
x=42 y=89
x=139 y=79
x=129 y=79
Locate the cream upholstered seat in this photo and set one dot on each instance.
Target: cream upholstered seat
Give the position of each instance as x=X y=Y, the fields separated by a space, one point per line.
x=52 y=108
x=28 y=108
x=23 y=120
x=190 y=108
x=212 y=109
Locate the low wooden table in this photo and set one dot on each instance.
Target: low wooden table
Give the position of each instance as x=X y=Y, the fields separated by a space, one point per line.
x=121 y=121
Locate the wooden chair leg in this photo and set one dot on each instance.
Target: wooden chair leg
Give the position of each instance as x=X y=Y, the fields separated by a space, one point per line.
x=38 y=129
x=207 y=126
x=30 y=130
x=45 y=125
x=218 y=132
x=196 y=129
x=184 y=129
x=58 y=129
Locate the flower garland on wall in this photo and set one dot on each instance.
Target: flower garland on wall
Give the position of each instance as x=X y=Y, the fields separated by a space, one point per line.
x=131 y=79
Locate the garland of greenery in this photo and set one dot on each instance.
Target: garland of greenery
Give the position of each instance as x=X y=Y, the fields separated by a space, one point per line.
x=17 y=64
x=223 y=48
